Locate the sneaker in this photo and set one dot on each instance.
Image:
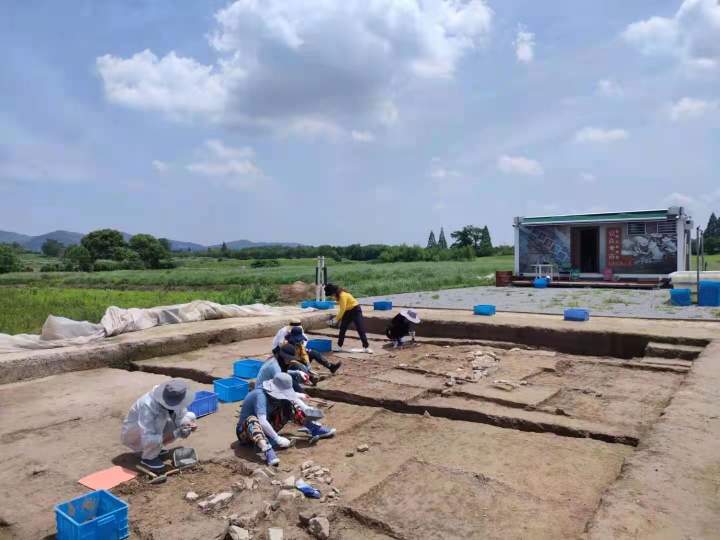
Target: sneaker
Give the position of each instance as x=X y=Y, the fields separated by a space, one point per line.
x=155 y=464
x=334 y=367
x=338 y=349
x=316 y=431
x=165 y=454
x=271 y=457
x=368 y=350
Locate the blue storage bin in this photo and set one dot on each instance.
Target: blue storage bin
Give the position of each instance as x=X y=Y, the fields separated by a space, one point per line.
x=382 y=305
x=204 y=403
x=307 y=304
x=484 y=309
x=94 y=516
x=709 y=293
x=232 y=389
x=540 y=283
x=247 y=368
x=577 y=314
x=320 y=345
x=680 y=297
x=324 y=304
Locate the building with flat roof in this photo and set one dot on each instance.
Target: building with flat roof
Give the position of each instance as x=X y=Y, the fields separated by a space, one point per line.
x=643 y=244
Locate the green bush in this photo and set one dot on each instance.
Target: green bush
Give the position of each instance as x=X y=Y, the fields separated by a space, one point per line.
x=265 y=263
x=9 y=261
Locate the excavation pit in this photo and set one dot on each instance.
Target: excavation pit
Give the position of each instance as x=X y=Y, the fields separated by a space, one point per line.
x=465 y=438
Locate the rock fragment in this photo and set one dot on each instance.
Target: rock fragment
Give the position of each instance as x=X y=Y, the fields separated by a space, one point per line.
x=238 y=533
x=191 y=496
x=319 y=527
x=363 y=448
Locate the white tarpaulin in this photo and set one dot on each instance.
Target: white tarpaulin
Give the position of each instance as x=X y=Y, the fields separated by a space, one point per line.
x=62 y=332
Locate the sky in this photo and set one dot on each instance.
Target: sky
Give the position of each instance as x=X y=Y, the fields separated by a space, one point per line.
x=319 y=121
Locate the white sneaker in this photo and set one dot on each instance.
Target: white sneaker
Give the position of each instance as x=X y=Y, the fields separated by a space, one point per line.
x=368 y=350
x=338 y=349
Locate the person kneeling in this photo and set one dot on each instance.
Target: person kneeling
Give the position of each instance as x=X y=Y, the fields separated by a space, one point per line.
x=267 y=409
x=402 y=325
x=158 y=418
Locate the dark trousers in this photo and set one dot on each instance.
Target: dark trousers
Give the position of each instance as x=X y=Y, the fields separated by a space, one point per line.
x=355 y=317
x=319 y=358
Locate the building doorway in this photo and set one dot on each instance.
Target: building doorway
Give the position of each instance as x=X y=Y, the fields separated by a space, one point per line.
x=586 y=249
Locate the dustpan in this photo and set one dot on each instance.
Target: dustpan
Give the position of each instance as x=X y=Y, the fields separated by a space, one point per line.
x=184 y=457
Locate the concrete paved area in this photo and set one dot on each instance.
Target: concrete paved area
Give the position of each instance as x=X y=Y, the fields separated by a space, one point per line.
x=653 y=304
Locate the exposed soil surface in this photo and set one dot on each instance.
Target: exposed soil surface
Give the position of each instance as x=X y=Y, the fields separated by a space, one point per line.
x=462 y=441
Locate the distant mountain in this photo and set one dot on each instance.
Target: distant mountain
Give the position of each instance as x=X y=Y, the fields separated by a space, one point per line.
x=68 y=238
x=7 y=237
x=242 y=244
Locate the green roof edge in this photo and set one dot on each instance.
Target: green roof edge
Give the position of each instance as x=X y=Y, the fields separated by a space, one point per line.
x=609 y=216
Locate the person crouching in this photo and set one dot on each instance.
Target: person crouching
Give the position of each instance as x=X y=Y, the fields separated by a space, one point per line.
x=159 y=418
x=267 y=409
x=401 y=326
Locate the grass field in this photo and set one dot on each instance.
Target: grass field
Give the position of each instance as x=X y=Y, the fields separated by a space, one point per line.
x=27 y=298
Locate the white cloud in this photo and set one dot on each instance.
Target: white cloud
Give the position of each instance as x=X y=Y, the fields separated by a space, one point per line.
x=687 y=108
x=441 y=173
x=283 y=63
x=599 y=135
x=519 y=165
x=587 y=178
x=439 y=206
x=609 y=88
x=227 y=166
x=691 y=35
x=524 y=45
x=160 y=166
x=362 y=136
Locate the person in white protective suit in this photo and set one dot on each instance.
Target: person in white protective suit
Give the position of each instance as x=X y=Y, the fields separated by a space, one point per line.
x=158 y=418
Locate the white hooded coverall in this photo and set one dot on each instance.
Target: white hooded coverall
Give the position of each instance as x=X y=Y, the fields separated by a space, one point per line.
x=149 y=425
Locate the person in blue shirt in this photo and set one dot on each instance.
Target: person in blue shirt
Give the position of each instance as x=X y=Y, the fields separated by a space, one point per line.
x=286 y=362
x=267 y=409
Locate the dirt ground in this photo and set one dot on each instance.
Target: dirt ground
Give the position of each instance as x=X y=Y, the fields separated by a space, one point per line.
x=463 y=442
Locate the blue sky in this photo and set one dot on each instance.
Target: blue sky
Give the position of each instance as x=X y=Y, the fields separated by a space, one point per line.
x=339 y=122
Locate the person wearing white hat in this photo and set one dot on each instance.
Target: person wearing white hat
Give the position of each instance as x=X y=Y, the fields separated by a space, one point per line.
x=402 y=325
x=157 y=418
x=267 y=409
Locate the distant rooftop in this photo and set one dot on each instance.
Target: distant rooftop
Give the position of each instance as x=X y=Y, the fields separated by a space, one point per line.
x=607 y=217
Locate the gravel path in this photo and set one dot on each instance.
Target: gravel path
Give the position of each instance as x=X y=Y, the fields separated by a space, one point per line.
x=613 y=302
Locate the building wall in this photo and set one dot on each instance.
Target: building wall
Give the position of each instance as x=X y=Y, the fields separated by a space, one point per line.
x=650 y=253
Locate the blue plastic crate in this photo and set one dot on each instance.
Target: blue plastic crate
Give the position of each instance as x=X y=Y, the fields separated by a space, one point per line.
x=324 y=304
x=577 y=314
x=680 y=297
x=540 y=283
x=382 y=305
x=320 y=345
x=204 y=403
x=94 y=516
x=232 y=389
x=247 y=368
x=709 y=293
x=307 y=304
x=484 y=309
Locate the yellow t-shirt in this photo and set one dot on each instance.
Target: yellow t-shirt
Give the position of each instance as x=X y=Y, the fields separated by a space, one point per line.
x=346 y=302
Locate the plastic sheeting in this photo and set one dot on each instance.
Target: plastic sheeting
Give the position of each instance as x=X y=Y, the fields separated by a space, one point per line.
x=62 y=332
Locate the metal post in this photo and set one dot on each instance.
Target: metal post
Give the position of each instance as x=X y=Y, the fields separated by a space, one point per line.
x=320 y=279
x=697 y=258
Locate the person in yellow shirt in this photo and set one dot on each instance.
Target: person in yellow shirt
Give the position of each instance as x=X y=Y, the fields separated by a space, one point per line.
x=349 y=312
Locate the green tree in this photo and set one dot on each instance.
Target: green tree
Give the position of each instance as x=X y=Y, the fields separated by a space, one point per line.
x=469 y=235
x=52 y=248
x=713 y=227
x=442 y=242
x=486 y=247
x=9 y=261
x=150 y=250
x=432 y=243
x=102 y=243
x=224 y=251
x=166 y=244
x=79 y=258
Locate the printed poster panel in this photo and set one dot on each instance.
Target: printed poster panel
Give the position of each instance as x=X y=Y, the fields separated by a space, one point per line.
x=544 y=245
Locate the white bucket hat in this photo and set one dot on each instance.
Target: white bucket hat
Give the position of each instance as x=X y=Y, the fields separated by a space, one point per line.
x=410 y=315
x=173 y=394
x=281 y=387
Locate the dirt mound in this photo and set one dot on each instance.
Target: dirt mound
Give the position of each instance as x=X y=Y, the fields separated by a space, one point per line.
x=297 y=291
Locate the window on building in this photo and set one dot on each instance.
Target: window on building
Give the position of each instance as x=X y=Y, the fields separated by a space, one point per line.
x=667 y=227
x=636 y=228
